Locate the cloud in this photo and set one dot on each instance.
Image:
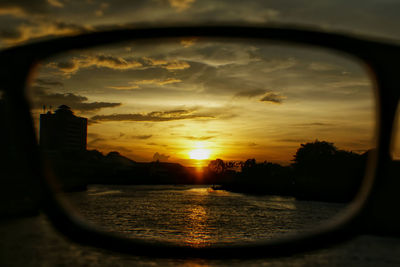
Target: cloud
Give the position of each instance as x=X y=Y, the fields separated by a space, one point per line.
x=23 y=7
x=46 y=82
x=10 y=34
x=100 y=11
x=95 y=141
x=272 y=98
x=94 y=105
x=169 y=81
x=153 y=116
x=142 y=137
x=181 y=5
x=155 y=62
x=250 y=93
x=100 y=61
x=31 y=28
x=76 y=102
x=55 y=3
x=320 y=66
x=152 y=144
x=356 y=83
x=127 y=87
x=188 y=42
x=157 y=81
x=177 y=65
x=114 y=62
x=167 y=64
x=278 y=65
x=199 y=138
x=155 y=144
x=151 y=81
x=221 y=55
x=160 y=157
x=12 y=11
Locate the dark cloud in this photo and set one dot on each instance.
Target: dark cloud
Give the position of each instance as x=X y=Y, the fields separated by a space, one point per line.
x=155 y=144
x=94 y=106
x=160 y=157
x=142 y=137
x=62 y=26
x=19 y=24
x=250 y=93
x=199 y=138
x=46 y=82
x=152 y=144
x=27 y=6
x=273 y=98
x=65 y=65
x=10 y=34
x=154 y=116
x=76 y=102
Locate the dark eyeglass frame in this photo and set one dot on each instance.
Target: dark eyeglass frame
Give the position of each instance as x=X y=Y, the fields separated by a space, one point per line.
x=364 y=215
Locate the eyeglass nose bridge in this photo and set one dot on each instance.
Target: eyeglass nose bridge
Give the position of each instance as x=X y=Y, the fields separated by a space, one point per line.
x=378 y=218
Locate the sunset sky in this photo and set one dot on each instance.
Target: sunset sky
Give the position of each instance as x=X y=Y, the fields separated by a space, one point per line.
x=232 y=100
x=186 y=99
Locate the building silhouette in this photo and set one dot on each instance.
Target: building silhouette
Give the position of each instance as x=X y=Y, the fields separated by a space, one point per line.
x=62 y=130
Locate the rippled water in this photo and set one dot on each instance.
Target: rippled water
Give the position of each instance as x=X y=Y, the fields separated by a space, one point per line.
x=197 y=215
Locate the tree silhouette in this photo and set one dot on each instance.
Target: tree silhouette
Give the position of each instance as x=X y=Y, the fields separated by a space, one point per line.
x=324 y=172
x=217 y=166
x=248 y=165
x=312 y=153
x=314 y=158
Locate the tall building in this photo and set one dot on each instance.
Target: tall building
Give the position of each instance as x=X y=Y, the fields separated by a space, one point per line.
x=62 y=130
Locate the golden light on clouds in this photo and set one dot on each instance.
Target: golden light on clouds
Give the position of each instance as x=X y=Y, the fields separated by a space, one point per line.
x=124 y=87
x=55 y=3
x=193 y=102
x=181 y=5
x=188 y=42
x=158 y=81
x=72 y=65
x=13 y=11
x=167 y=64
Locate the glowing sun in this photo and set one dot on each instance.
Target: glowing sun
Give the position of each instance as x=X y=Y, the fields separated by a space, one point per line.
x=199 y=154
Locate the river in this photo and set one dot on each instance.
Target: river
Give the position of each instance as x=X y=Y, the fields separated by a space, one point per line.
x=197 y=215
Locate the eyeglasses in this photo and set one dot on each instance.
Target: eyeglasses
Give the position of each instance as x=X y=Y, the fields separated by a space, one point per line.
x=373 y=194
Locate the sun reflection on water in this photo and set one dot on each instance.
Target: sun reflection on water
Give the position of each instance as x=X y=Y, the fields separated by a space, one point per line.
x=197 y=227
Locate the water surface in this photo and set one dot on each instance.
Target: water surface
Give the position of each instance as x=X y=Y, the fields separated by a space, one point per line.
x=197 y=215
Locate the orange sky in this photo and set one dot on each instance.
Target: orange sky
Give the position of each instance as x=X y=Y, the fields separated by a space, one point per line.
x=163 y=100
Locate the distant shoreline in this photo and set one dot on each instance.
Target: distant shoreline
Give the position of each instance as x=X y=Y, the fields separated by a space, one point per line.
x=320 y=172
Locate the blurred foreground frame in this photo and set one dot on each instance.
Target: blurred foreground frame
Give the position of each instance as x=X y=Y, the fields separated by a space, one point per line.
x=370 y=211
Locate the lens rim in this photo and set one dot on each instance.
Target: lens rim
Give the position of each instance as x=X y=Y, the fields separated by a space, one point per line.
x=374 y=54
